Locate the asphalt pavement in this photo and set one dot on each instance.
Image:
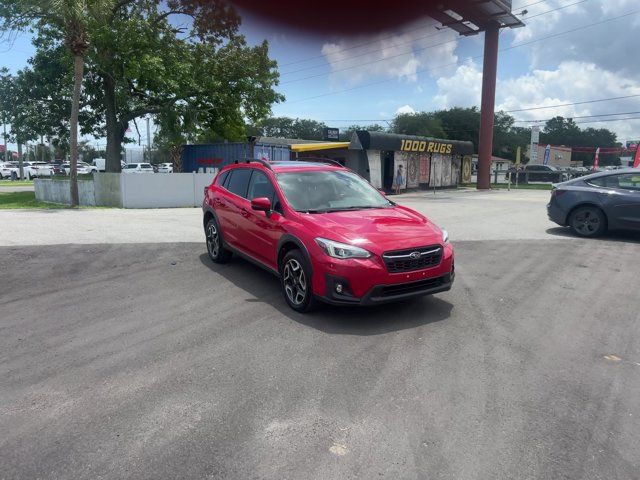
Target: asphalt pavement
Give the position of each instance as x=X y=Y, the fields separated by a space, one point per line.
x=146 y=360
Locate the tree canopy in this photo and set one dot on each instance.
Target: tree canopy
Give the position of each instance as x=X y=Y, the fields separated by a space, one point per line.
x=199 y=79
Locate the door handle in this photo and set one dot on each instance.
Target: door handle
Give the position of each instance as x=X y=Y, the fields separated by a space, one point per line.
x=245 y=212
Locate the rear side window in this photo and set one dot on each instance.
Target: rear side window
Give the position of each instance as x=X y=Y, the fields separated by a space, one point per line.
x=223 y=176
x=239 y=181
x=630 y=181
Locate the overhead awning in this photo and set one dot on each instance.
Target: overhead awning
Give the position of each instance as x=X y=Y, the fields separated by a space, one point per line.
x=366 y=140
x=312 y=147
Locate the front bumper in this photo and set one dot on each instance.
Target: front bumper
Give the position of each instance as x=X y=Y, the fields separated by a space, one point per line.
x=368 y=282
x=392 y=293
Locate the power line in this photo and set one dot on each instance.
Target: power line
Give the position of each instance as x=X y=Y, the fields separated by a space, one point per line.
x=582 y=116
x=572 y=103
x=364 y=44
x=408 y=52
x=477 y=56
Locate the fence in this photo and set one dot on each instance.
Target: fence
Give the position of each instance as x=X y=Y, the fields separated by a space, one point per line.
x=129 y=190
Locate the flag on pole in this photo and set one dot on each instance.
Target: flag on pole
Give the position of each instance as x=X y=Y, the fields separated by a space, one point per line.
x=595 y=161
x=636 y=160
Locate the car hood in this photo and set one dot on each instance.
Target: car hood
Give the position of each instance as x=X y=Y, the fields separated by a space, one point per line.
x=377 y=230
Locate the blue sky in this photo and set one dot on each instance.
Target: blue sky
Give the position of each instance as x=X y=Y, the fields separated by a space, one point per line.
x=417 y=67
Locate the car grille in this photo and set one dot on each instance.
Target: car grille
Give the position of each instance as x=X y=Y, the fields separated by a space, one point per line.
x=412 y=259
x=392 y=290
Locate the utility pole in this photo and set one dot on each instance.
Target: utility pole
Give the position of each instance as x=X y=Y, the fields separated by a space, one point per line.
x=148 y=141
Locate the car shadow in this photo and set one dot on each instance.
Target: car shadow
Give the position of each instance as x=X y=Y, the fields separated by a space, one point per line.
x=612 y=236
x=331 y=319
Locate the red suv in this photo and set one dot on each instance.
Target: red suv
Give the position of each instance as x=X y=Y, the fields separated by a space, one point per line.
x=325 y=232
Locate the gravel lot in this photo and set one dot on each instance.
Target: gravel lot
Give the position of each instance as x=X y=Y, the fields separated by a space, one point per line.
x=125 y=353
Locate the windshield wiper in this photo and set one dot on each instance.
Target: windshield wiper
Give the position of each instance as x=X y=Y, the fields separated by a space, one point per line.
x=312 y=211
x=356 y=207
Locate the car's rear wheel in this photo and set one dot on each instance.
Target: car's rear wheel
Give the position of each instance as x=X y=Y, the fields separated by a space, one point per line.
x=215 y=247
x=295 y=279
x=588 y=221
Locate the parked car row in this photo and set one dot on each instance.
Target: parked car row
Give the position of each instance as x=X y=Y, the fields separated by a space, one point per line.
x=552 y=174
x=33 y=170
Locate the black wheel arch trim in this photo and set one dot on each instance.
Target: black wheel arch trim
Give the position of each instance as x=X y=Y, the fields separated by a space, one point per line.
x=289 y=238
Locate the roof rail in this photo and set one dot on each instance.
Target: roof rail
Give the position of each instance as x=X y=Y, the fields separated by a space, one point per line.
x=259 y=160
x=319 y=160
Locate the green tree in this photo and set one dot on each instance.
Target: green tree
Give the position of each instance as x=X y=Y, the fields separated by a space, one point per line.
x=72 y=19
x=138 y=64
x=286 y=127
x=421 y=123
x=347 y=133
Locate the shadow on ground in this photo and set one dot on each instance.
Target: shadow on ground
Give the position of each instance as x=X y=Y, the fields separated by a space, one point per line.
x=614 y=236
x=381 y=319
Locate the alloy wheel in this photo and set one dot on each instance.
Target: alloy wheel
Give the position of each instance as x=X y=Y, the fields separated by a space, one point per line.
x=295 y=282
x=586 y=222
x=213 y=240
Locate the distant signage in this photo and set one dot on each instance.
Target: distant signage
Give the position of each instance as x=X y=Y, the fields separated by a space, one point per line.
x=209 y=161
x=535 y=138
x=408 y=145
x=331 y=134
x=547 y=155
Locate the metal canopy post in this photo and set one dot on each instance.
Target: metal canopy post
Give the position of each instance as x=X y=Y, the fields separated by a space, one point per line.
x=489 y=72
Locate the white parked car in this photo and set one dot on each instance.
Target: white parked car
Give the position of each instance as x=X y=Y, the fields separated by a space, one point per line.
x=137 y=168
x=83 y=168
x=7 y=168
x=165 y=168
x=38 y=170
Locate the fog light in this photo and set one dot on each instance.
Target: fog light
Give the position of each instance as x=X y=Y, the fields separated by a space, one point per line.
x=339 y=287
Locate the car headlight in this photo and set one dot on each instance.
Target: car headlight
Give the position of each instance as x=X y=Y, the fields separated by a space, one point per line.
x=445 y=236
x=341 y=250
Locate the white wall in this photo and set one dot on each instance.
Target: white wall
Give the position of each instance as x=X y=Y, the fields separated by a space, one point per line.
x=164 y=190
x=58 y=191
x=375 y=168
x=130 y=190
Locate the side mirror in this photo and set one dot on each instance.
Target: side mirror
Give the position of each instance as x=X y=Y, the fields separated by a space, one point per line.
x=262 y=204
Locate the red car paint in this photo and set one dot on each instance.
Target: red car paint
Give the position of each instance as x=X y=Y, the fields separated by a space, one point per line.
x=259 y=236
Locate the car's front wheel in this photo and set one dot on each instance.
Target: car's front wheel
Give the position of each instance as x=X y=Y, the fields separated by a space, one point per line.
x=295 y=279
x=215 y=248
x=588 y=221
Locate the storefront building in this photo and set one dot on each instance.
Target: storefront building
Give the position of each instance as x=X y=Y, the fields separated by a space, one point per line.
x=426 y=162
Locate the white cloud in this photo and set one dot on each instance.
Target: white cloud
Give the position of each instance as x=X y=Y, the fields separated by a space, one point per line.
x=405 y=109
x=401 y=56
x=611 y=45
x=570 y=82
x=462 y=89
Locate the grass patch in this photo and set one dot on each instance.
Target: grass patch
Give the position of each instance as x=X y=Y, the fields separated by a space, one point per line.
x=526 y=186
x=16 y=183
x=24 y=200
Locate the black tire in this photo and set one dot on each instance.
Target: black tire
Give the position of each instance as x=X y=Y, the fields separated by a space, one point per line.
x=215 y=246
x=295 y=281
x=588 y=221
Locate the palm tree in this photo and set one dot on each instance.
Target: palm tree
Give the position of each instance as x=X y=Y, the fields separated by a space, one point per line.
x=72 y=18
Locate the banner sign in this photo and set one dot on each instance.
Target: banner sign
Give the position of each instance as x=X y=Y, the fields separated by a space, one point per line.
x=535 y=137
x=547 y=155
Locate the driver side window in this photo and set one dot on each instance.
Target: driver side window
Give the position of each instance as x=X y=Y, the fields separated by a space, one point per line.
x=261 y=186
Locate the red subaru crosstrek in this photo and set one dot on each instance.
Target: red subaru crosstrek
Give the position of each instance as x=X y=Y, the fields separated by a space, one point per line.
x=325 y=232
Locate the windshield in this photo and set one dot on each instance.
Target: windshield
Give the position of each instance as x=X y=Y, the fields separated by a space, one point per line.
x=329 y=191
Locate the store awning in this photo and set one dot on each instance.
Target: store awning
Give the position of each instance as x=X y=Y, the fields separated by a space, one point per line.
x=312 y=147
